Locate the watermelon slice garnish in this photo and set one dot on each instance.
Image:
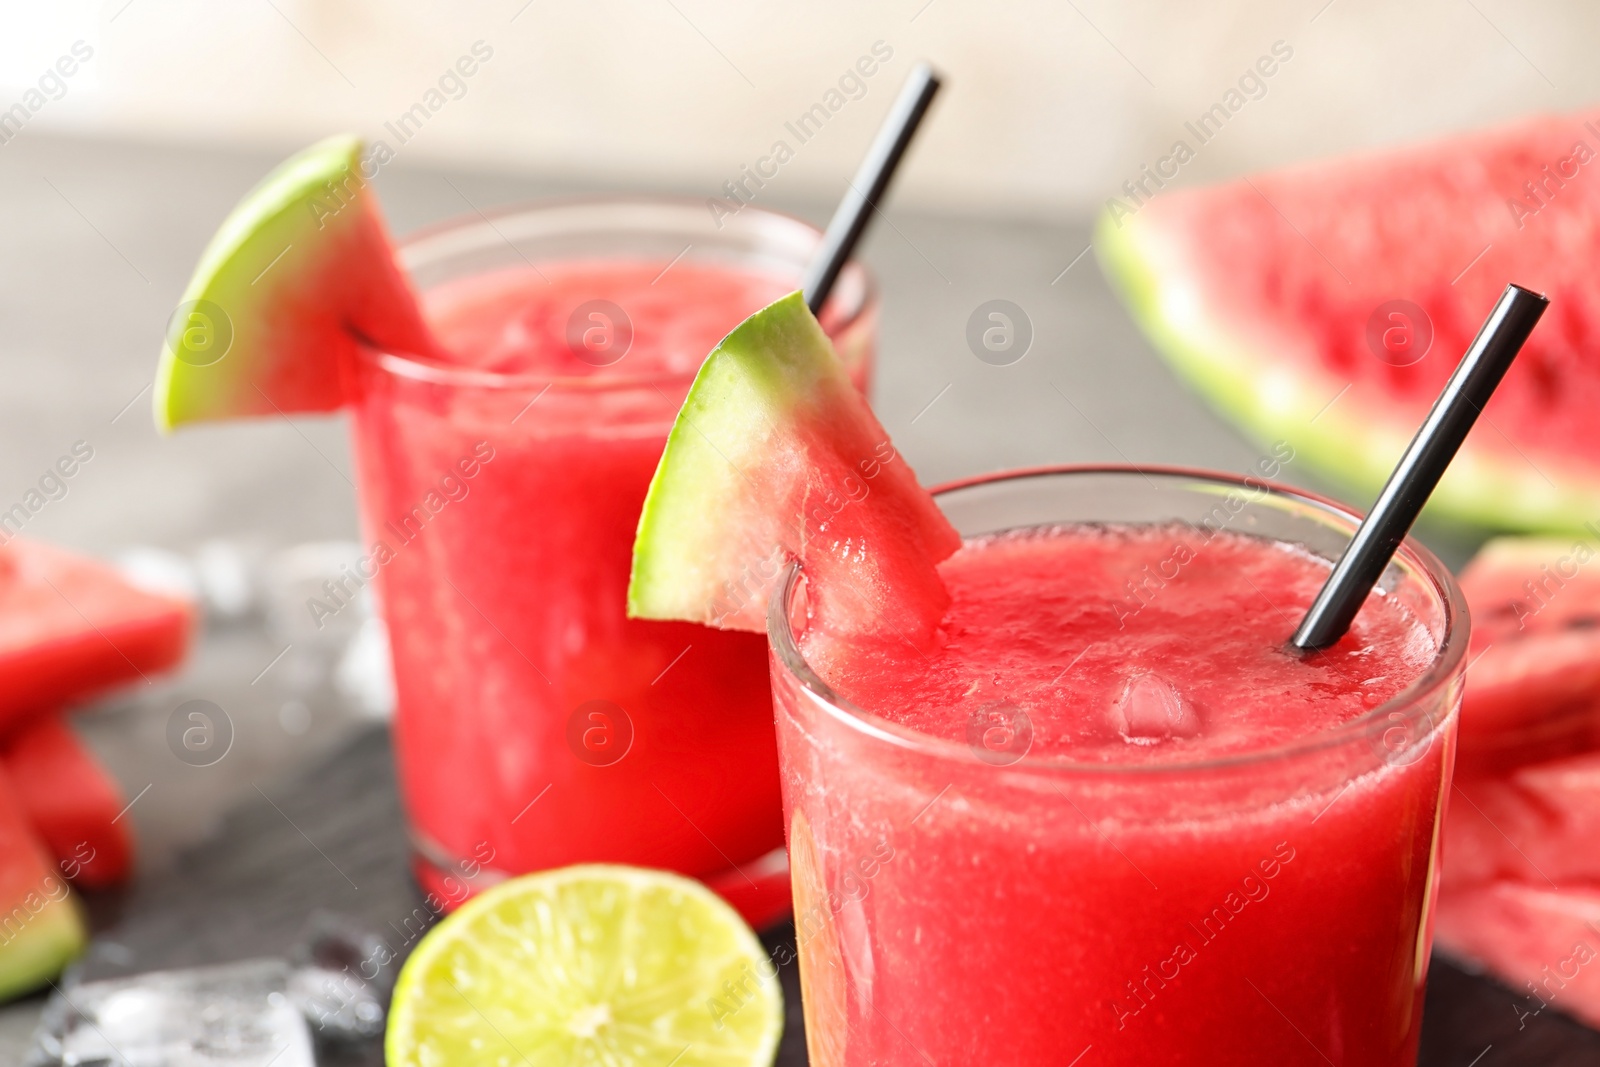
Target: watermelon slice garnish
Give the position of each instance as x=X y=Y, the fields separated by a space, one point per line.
x=1262 y=293
x=1533 y=680
x=71 y=628
x=73 y=804
x=776 y=457
x=299 y=274
x=43 y=930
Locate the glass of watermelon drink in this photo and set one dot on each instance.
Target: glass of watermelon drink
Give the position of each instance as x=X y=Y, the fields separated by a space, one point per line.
x=1113 y=816
x=537 y=725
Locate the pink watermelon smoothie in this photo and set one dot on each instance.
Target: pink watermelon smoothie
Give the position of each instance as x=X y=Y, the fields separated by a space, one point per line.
x=537 y=725
x=1118 y=814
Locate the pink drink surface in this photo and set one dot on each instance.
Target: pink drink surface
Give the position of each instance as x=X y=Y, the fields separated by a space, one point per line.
x=519 y=320
x=1007 y=909
x=1047 y=626
x=537 y=725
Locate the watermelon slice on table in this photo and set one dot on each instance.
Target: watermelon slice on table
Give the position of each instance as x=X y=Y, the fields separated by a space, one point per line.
x=1533 y=680
x=71 y=627
x=41 y=929
x=298 y=275
x=73 y=804
x=1272 y=297
x=1543 y=943
x=775 y=457
x=1539 y=824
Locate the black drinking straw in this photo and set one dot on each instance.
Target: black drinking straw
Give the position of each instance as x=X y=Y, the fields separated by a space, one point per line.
x=1420 y=469
x=872 y=178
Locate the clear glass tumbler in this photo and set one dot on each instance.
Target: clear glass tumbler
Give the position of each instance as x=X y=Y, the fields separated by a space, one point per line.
x=537 y=725
x=1268 y=908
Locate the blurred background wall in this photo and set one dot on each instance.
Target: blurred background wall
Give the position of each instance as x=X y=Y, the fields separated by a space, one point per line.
x=1051 y=104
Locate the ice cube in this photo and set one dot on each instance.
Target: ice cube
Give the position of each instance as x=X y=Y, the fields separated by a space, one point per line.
x=365 y=674
x=346 y=974
x=1150 y=709
x=158 y=570
x=227 y=579
x=233 y=1015
x=316 y=593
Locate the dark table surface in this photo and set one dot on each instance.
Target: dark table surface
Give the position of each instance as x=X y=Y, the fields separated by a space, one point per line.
x=100 y=238
x=254 y=887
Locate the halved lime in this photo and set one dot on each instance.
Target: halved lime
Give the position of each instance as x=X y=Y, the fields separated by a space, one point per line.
x=599 y=964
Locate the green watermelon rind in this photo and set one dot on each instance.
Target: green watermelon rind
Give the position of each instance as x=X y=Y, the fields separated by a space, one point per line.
x=776 y=353
x=41 y=946
x=776 y=457
x=1509 y=560
x=273 y=216
x=1273 y=399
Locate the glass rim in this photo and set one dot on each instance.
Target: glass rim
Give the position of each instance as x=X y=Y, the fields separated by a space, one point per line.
x=425 y=370
x=1439 y=674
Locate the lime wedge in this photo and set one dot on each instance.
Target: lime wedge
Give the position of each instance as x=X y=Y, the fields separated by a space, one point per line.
x=598 y=964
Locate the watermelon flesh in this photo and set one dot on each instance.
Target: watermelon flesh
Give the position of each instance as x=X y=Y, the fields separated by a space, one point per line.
x=1544 y=943
x=1262 y=292
x=41 y=929
x=1533 y=684
x=71 y=628
x=775 y=456
x=1539 y=824
x=73 y=804
x=1520 y=885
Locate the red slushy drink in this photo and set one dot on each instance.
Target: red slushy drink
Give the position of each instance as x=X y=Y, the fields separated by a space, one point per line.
x=537 y=725
x=1113 y=815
